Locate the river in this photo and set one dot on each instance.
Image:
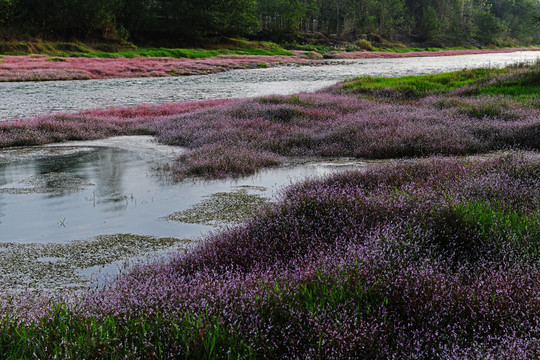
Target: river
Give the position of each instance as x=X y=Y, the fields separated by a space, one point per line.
x=27 y=99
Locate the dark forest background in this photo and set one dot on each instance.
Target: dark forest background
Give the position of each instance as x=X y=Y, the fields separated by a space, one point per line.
x=181 y=22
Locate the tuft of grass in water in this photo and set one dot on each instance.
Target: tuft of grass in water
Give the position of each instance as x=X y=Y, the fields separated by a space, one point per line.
x=217 y=161
x=221 y=209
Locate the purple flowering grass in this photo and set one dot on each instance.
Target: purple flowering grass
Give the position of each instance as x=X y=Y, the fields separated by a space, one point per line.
x=430 y=259
x=94 y=124
x=387 y=263
x=218 y=161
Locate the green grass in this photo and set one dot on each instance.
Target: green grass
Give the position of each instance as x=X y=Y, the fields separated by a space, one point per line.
x=321 y=49
x=417 y=86
x=515 y=89
x=65 y=335
x=516 y=83
x=519 y=83
x=497 y=221
x=188 y=53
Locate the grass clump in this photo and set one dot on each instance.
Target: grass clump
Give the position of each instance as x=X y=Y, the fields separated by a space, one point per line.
x=221 y=209
x=217 y=161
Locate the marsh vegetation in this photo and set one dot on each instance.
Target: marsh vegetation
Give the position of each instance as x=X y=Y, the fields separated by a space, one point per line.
x=434 y=256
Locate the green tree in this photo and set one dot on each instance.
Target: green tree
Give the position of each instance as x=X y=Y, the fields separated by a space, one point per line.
x=489 y=27
x=281 y=19
x=7 y=11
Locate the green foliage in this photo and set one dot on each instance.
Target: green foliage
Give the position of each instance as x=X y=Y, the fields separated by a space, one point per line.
x=129 y=51
x=495 y=221
x=187 y=53
x=364 y=45
x=519 y=83
x=489 y=27
x=417 y=86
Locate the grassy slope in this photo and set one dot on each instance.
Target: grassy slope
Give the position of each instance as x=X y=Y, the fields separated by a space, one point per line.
x=233 y=47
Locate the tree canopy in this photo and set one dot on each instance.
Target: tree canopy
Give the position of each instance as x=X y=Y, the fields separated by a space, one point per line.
x=445 y=22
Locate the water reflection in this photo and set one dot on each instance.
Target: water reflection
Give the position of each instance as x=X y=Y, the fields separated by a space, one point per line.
x=110 y=169
x=2 y=205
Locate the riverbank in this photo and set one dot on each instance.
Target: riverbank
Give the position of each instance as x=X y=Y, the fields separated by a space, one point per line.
x=388 y=54
x=49 y=68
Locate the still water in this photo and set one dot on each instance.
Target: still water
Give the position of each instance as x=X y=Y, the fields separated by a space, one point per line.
x=22 y=100
x=81 y=190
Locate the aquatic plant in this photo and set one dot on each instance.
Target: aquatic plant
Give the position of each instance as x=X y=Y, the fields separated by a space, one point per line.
x=427 y=259
x=217 y=161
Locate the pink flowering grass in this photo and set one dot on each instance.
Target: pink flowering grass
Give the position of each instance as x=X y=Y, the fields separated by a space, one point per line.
x=95 y=124
x=431 y=259
x=42 y=67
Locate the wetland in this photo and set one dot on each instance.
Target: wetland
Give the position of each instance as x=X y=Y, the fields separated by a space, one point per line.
x=64 y=193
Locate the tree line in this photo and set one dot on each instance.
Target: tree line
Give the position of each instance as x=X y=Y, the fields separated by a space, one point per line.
x=445 y=22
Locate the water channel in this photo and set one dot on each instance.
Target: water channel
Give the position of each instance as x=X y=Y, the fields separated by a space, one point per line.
x=60 y=194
